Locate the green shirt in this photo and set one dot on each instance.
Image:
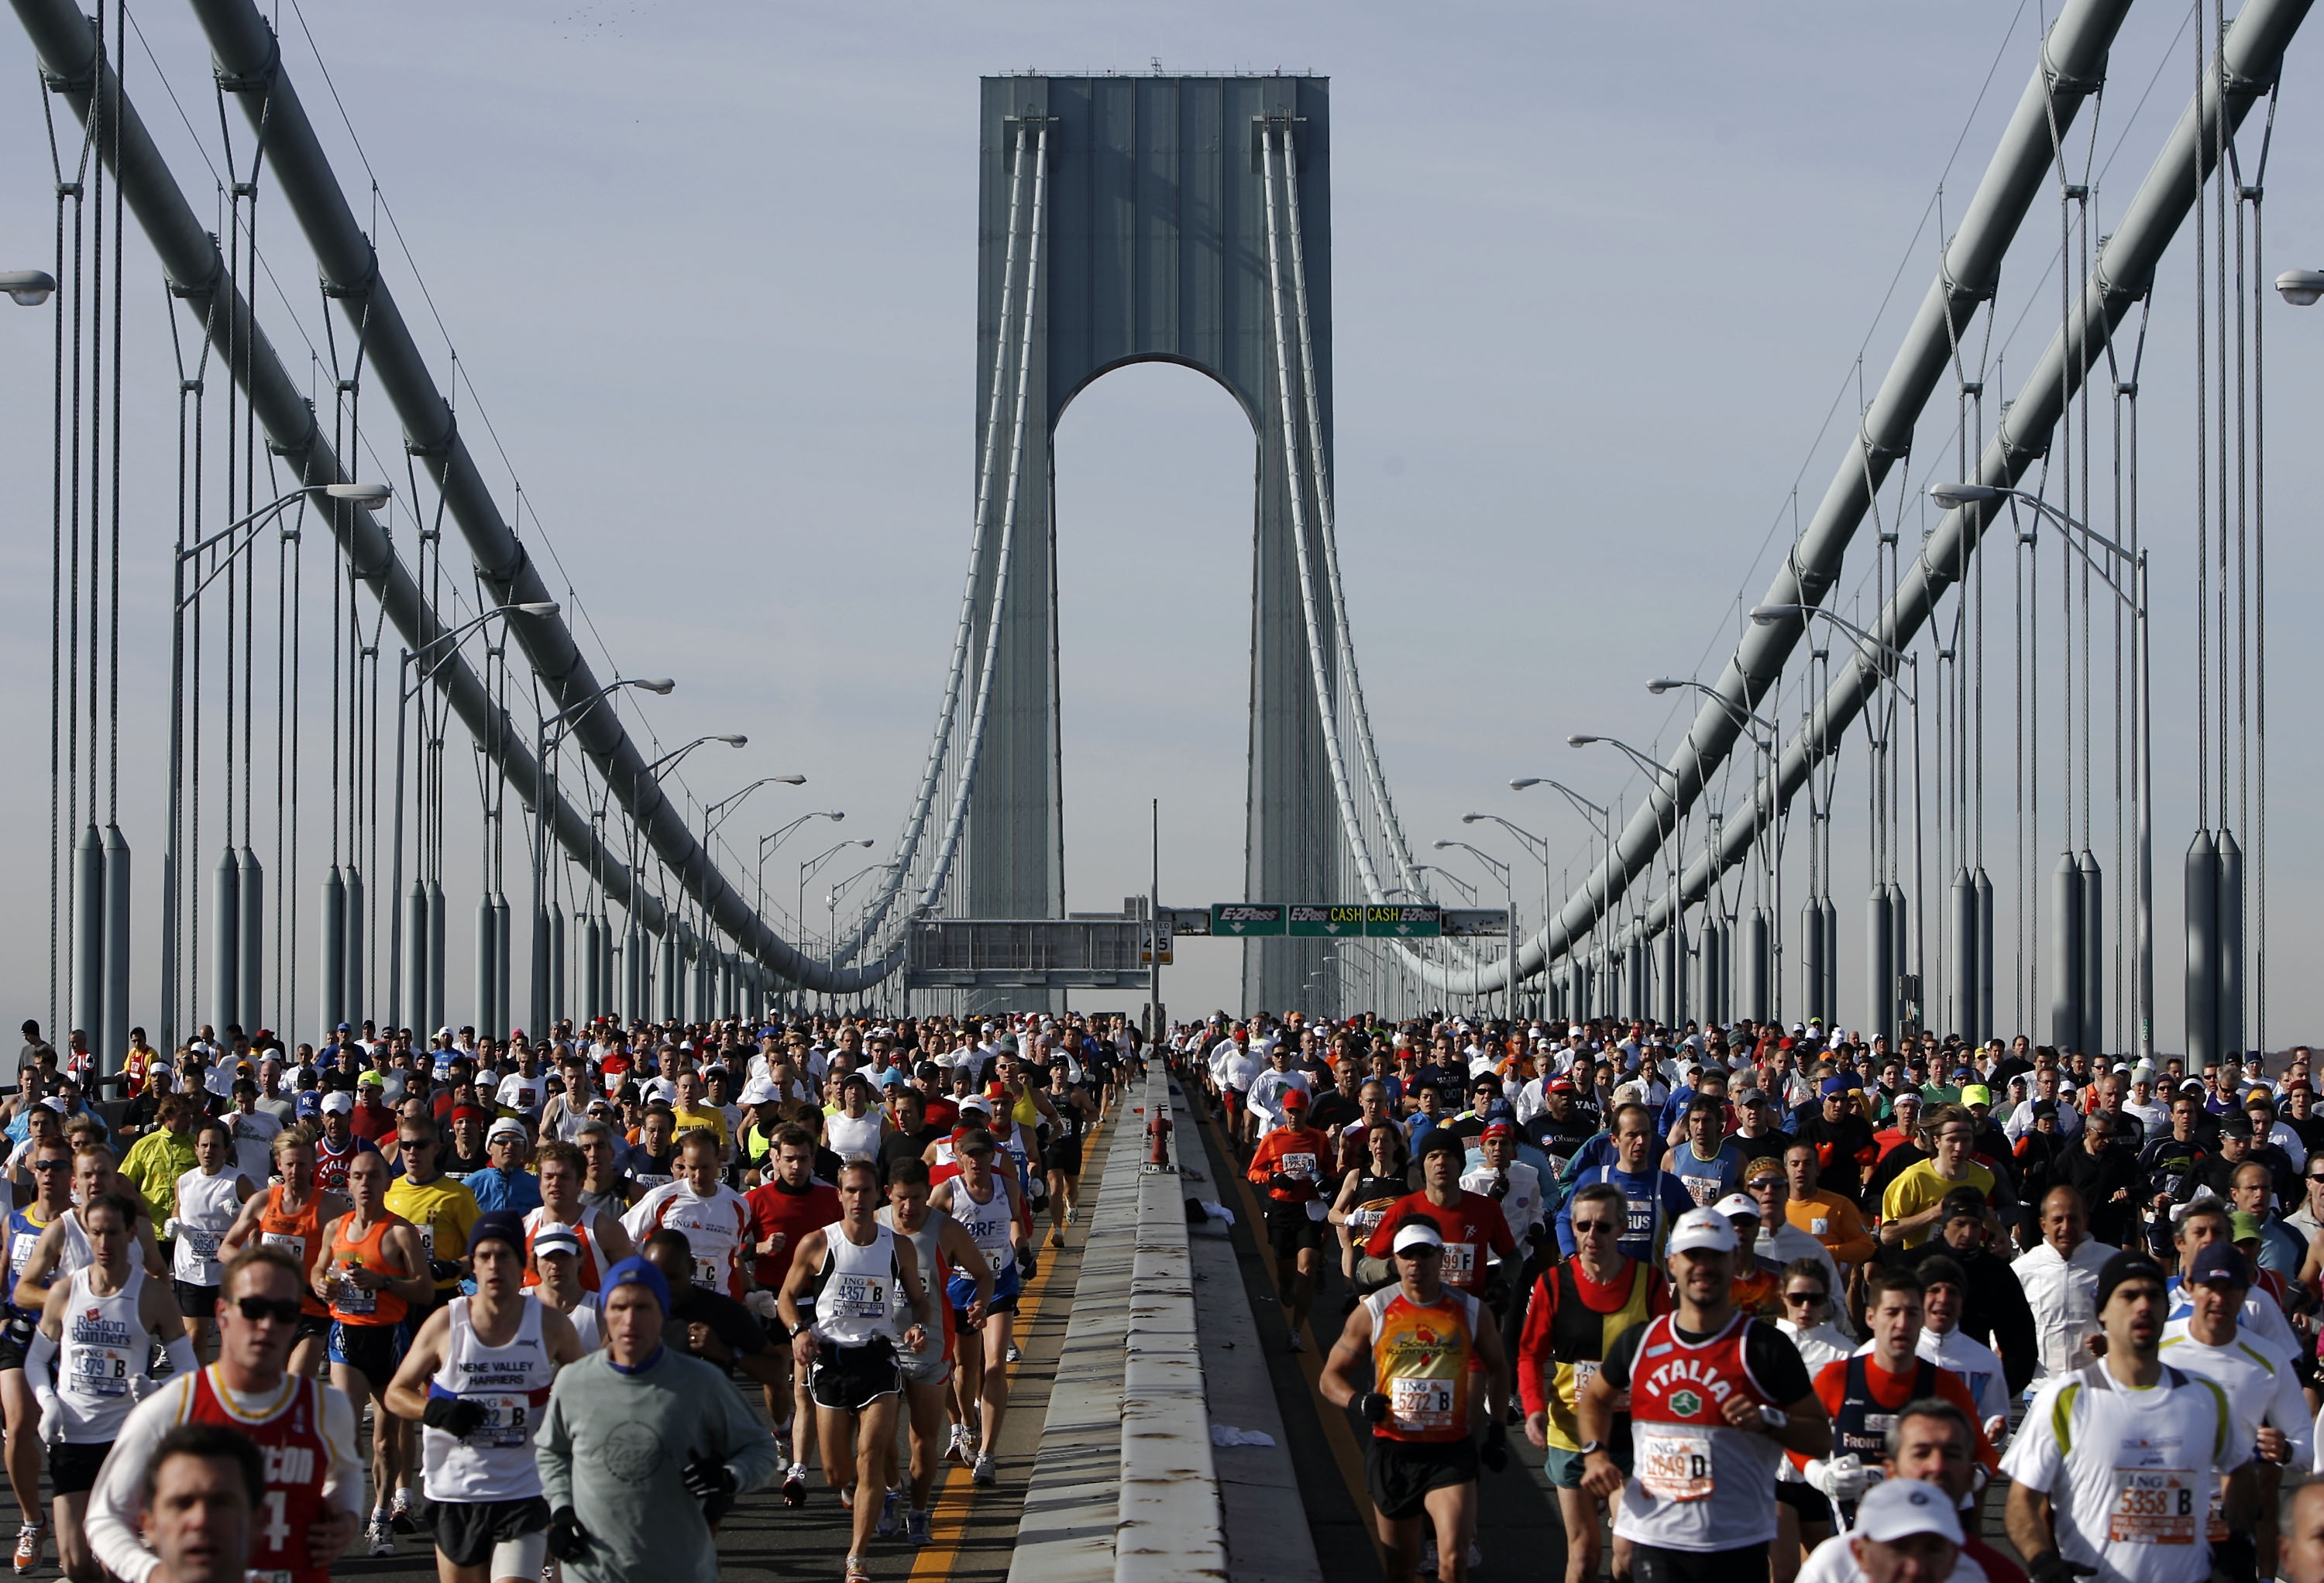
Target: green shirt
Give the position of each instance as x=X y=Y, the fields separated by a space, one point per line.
x=152 y=1166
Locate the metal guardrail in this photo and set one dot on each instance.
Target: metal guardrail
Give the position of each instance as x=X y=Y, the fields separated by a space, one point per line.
x=1171 y=1524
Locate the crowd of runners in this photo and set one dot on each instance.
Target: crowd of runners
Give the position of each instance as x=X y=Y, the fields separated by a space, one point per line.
x=1769 y=1300
x=583 y=1291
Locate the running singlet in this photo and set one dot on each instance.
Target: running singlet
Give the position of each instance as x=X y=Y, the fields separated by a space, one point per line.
x=511 y=1384
x=105 y=1347
x=1697 y=1484
x=926 y=1244
x=1862 y=1425
x=23 y=1236
x=354 y=1305
x=1420 y=1363
x=592 y=1268
x=296 y=1458
x=855 y=1289
x=298 y=1233
x=207 y=1208
x=717 y=1228
x=987 y=1225
x=1375 y=1196
x=331 y=1164
x=1579 y=1335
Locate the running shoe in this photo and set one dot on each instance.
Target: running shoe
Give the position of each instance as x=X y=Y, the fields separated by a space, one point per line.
x=795 y=1484
x=782 y=1450
x=1428 y=1557
x=847 y=1497
x=28 y=1546
x=916 y=1528
x=1056 y=1238
x=1015 y=1354
x=888 y=1507
x=859 y=1571
x=399 y=1516
x=1476 y=1555
x=958 y=1449
x=1072 y=1216
x=984 y=1472
x=1298 y=1344
x=381 y=1534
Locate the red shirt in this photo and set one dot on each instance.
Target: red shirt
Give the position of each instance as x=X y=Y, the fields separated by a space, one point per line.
x=372 y=1122
x=1469 y=1227
x=776 y=1208
x=1296 y=1151
x=297 y=1456
x=941 y=1114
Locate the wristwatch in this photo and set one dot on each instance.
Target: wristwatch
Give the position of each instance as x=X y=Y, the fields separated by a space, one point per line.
x=1774 y=1418
x=1590 y=1448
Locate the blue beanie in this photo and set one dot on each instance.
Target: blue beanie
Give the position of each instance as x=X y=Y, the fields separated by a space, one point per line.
x=641 y=1272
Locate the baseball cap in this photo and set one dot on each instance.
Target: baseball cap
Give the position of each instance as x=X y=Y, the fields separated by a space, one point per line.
x=1295 y=1099
x=339 y=1102
x=2216 y=1263
x=497 y=1226
x=2126 y=1266
x=1705 y=1229
x=1835 y=1085
x=2046 y=1108
x=1975 y=1093
x=975 y=1102
x=633 y=1270
x=1557 y=1085
x=758 y=1090
x=2243 y=1226
x=506 y=1126
x=1902 y=1508
x=556 y=1240
x=1419 y=1234
x=1499 y=1129
x=1736 y=1203
x=371 y=1080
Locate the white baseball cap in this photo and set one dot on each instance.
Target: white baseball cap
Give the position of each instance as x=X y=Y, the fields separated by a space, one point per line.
x=1736 y=1203
x=1417 y=1235
x=506 y=1126
x=1705 y=1228
x=1899 y=1509
x=339 y=1102
x=758 y=1090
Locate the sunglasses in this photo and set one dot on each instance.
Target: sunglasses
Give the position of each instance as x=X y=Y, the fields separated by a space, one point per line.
x=1598 y=1228
x=1424 y=1251
x=1807 y=1297
x=282 y=1311
x=51 y=1165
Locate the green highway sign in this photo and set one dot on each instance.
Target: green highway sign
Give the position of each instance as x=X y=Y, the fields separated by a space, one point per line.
x=1247 y=920
x=1330 y=923
x=1404 y=923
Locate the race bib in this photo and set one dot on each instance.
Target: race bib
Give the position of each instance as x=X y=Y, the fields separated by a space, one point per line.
x=427 y=1230
x=707 y=1273
x=353 y=1299
x=2152 y=1506
x=1460 y=1260
x=1642 y=1219
x=853 y=1297
x=508 y=1422
x=1818 y=1227
x=1703 y=1190
x=202 y=1246
x=999 y=1259
x=1300 y=1166
x=99 y=1372
x=1421 y=1403
x=1585 y=1371
x=1674 y=1464
x=295 y=1245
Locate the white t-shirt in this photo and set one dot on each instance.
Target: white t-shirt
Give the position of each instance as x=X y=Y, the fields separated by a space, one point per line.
x=2262 y=1383
x=253 y=1143
x=522 y=1094
x=2130 y=1477
x=1834 y=1562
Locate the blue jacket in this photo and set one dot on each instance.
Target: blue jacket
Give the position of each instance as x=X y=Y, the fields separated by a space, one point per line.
x=1656 y=1199
x=496 y=1189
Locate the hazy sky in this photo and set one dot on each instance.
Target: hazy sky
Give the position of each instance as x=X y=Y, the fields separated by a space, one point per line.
x=1601 y=275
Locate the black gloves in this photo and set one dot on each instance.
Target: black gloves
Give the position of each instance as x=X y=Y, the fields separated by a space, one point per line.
x=454 y=1415
x=1028 y=1263
x=1283 y=1184
x=1495 y=1452
x=2049 y=1567
x=1374 y=1407
x=567 y=1538
x=443 y=1269
x=711 y=1482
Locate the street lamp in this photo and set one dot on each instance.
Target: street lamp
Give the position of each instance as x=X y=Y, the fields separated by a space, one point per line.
x=2301 y=288
x=831 y=898
x=30 y=288
x=1604 y=818
x=1743 y=718
x=774 y=838
x=1956 y=496
x=1677 y=861
x=808 y=868
x=734 y=800
x=1539 y=847
x=1465 y=888
x=548 y=736
x=1505 y=874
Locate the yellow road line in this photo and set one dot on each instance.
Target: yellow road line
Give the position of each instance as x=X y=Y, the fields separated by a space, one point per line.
x=1345 y=1452
x=949 y=1514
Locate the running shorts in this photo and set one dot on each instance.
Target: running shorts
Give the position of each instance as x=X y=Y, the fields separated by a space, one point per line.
x=1652 y=1564
x=1399 y=1474
x=1289 y=1230
x=853 y=1377
x=468 y=1533
x=72 y=1469
x=376 y=1351
x=196 y=1302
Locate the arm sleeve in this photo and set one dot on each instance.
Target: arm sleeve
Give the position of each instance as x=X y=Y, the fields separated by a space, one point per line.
x=39 y=1356
x=110 y=1520
x=179 y=1350
x=1497 y=1231
x=343 y=1485
x=1619 y=1357
x=1564 y=1226
x=1533 y=1347
x=1262 y=1160
x=552 y=1450
x=1861 y=1244
x=1775 y=1363
x=2287 y=1410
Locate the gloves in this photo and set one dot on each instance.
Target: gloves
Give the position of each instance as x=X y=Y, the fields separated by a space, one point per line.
x=1494 y=1454
x=1028 y=1263
x=443 y=1269
x=713 y=1483
x=2049 y=1567
x=169 y=1229
x=1283 y=1182
x=454 y=1415
x=567 y=1538
x=1843 y=1477
x=1374 y=1407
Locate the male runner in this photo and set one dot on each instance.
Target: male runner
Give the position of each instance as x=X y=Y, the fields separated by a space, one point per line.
x=98 y=1331
x=596 y=1233
x=1404 y=1359
x=52 y=1168
x=850 y=1272
x=313 y=1500
x=370 y=1268
x=985 y=1203
x=696 y=1200
x=2113 y=1465
x=942 y=1246
x=1471 y=1224
x=477 y=1379
x=290 y=1215
x=1655 y=1198
x=783 y=1209
x=1288 y=1162
x=1716 y=1399
x=557 y=1268
x=1579 y=1307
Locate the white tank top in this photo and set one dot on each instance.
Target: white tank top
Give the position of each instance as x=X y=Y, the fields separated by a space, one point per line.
x=207 y=1210
x=512 y=1383
x=853 y=1289
x=106 y=1347
x=76 y=1254
x=586 y=1317
x=987 y=1224
x=856 y=1139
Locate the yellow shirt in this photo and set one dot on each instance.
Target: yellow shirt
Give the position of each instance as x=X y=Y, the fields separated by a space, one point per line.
x=444 y=1211
x=1918 y=1187
x=705 y=1120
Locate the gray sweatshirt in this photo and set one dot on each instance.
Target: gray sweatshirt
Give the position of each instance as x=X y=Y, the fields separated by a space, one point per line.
x=615 y=1448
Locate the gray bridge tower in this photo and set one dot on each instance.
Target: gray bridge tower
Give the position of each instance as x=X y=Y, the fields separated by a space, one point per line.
x=1177 y=219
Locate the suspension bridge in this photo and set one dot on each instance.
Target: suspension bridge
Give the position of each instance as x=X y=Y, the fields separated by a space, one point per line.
x=1181 y=218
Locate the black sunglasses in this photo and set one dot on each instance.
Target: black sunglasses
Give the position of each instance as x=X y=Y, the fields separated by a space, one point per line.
x=1807 y=1297
x=282 y=1311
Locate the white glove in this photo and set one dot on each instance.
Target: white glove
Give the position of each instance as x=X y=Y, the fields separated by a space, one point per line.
x=761 y=1303
x=169 y=1229
x=52 y=1419
x=1843 y=1479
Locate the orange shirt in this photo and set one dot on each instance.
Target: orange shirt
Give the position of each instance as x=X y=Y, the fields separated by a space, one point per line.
x=1296 y=1150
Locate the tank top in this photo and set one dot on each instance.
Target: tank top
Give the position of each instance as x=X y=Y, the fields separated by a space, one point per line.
x=207 y=1208
x=299 y=1234
x=1420 y=1362
x=24 y=1235
x=613 y=1201
x=593 y=1252
x=297 y=1457
x=651 y=1171
x=511 y=1383
x=855 y=1288
x=1374 y=1195
x=1698 y=1484
x=1862 y=1425
x=987 y=1225
x=331 y=1165
x=76 y=1254
x=927 y=1247
x=1579 y=1336
x=853 y=1138
x=587 y=1318
x=106 y=1347
x=352 y=1304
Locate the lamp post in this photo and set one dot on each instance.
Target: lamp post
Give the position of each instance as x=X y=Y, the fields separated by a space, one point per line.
x=2299 y=288
x=1677 y=865
x=1539 y=847
x=547 y=737
x=831 y=898
x=407 y=686
x=808 y=868
x=1505 y=873
x=1770 y=869
x=1604 y=818
x=28 y=287
x=774 y=838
